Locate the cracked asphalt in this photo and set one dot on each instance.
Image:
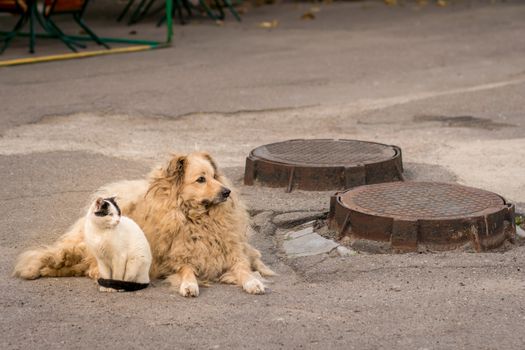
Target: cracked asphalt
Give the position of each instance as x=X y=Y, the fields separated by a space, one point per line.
x=446 y=84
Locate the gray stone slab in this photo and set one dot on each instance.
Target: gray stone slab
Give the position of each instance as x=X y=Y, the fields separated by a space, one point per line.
x=344 y=251
x=300 y=233
x=293 y=218
x=262 y=219
x=307 y=245
x=520 y=232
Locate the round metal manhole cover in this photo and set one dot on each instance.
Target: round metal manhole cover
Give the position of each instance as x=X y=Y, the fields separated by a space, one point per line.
x=321 y=165
x=412 y=215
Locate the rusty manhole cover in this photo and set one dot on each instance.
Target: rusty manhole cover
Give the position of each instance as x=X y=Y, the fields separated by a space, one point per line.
x=425 y=215
x=321 y=165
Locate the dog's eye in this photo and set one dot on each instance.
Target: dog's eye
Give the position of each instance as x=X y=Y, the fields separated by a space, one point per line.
x=201 y=180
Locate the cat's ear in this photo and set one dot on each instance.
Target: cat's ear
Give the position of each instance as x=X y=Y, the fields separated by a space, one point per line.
x=112 y=200
x=99 y=201
x=176 y=169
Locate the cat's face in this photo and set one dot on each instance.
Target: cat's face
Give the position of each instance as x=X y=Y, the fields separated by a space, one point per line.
x=105 y=212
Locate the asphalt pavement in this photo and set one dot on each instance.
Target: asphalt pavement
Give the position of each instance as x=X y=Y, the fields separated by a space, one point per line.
x=444 y=83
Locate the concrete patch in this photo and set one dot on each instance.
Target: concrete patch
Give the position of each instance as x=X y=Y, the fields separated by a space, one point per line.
x=263 y=223
x=427 y=172
x=497 y=164
x=149 y=139
x=294 y=218
x=307 y=243
x=300 y=233
x=262 y=219
x=462 y=121
x=344 y=251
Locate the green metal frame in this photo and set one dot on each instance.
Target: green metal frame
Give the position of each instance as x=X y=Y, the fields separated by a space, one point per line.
x=77 y=17
x=144 y=6
x=25 y=16
x=51 y=34
x=13 y=33
x=229 y=5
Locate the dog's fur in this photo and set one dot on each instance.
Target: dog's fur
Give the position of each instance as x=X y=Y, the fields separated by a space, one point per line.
x=197 y=231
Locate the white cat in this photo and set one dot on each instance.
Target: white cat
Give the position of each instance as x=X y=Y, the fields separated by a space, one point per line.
x=119 y=245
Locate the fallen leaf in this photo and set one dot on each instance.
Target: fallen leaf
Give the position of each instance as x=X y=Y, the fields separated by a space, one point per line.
x=442 y=3
x=269 y=25
x=422 y=2
x=242 y=9
x=315 y=9
x=308 y=15
x=391 y=2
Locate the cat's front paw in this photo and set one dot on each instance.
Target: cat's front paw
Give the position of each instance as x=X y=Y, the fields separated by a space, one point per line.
x=107 y=290
x=189 y=289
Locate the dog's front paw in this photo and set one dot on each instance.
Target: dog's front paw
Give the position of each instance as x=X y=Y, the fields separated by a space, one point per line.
x=107 y=290
x=253 y=286
x=189 y=289
x=93 y=273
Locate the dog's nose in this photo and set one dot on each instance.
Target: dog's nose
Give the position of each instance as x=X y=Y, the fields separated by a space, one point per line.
x=225 y=192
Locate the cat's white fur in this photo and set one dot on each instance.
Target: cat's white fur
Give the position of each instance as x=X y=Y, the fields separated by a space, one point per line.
x=118 y=243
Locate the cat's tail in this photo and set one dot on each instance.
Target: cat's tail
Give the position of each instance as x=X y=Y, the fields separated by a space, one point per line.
x=66 y=257
x=126 y=286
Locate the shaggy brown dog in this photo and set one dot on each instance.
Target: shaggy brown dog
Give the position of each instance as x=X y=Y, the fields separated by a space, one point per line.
x=196 y=227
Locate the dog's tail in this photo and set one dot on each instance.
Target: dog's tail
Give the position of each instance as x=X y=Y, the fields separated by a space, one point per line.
x=67 y=257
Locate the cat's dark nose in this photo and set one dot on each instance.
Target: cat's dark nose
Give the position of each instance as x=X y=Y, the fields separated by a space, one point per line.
x=225 y=193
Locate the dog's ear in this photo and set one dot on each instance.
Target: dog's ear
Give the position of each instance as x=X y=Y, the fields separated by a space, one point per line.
x=176 y=168
x=212 y=162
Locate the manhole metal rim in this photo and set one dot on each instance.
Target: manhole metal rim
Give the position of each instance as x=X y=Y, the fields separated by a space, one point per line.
x=395 y=149
x=292 y=174
x=489 y=227
x=488 y=210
